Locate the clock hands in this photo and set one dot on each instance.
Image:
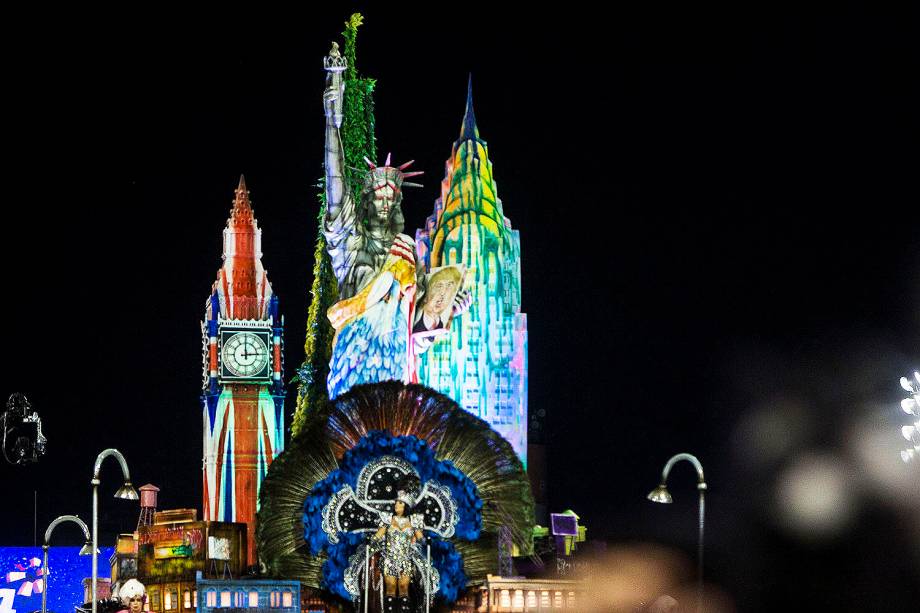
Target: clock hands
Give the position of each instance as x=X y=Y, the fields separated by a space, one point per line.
x=246 y=354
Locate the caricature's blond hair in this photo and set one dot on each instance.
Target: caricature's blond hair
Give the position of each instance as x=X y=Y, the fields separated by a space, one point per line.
x=450 y=271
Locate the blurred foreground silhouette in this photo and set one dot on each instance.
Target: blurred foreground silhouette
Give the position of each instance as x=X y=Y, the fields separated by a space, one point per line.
x=645 y=578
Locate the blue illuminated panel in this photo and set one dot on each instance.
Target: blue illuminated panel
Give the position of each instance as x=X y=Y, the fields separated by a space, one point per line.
x=22 y=578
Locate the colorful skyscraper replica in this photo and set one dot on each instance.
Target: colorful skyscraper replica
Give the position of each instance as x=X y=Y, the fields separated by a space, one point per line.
x=482 y=365
x=243 y=399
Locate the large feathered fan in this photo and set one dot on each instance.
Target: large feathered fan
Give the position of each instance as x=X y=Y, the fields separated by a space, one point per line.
x=412 y=420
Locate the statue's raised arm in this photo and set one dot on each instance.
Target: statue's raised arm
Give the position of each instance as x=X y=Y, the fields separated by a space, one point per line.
x=343 y=240
x=336 y=191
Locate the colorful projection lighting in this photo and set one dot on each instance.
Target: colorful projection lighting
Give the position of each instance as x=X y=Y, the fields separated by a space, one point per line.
x=482 y=364
x=243 y=392
x=22 y=578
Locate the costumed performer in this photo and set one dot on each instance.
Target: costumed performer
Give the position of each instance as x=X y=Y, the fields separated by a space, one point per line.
x=132 y=595
x=400 y=535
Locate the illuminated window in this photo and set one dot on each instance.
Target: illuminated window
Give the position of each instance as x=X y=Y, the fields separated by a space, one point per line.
x=504 y=599
x=571 y=602
x=531 y=599
x=225 y=598
x=275 y=600
x=253 y=599
x=287 y=599
x=210 y=599
x=187 y=599
x=167 y=600
x=195 y=599
x=155 y=599
x=557 y=600
x=544 y=599
x=518 y=601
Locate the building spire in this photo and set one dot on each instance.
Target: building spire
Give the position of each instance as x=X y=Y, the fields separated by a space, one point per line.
x=469 y=131
x=241 y=214
x=243 y=287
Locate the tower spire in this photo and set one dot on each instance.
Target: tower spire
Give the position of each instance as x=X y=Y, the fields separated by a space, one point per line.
x=243 y=395
x=241 y=213
x=493 y=384
x=469 y=131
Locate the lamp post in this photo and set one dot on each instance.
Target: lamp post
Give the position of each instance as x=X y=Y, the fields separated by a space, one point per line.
x=911 y=406
x=126 y=492
x=661 y=494
x=85 y=551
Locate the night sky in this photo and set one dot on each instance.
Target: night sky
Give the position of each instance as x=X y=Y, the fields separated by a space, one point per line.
x=719 y=229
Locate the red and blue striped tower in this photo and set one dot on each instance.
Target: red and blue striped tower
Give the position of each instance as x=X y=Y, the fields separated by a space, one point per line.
x=243 y=393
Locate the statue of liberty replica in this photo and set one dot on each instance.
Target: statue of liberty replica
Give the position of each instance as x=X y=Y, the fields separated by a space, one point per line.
x=373 y=261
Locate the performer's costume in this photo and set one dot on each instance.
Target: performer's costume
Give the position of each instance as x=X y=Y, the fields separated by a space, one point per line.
x=399 y=551
x=398 y=556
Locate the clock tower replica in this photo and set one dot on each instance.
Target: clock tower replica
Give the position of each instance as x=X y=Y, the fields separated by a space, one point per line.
x=243 y=393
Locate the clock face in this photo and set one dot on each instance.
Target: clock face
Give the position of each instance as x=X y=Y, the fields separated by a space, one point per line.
x=245 y=355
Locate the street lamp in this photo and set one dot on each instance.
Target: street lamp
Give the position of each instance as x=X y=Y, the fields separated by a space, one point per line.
x=85 y=551
x=911 y=406
x=126 y=492
x=662 y=495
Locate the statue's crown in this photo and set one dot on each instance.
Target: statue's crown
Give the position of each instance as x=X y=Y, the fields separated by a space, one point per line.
x=380 y=176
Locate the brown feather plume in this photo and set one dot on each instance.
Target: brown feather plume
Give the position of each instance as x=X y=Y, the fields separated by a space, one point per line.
x=454 y=434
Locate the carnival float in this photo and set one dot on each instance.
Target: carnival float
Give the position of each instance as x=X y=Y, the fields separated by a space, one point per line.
x=391 y=495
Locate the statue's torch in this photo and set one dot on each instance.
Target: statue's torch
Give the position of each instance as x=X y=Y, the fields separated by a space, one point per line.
x=335 y=65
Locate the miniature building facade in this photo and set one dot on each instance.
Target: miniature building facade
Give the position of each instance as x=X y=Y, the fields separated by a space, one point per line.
x=123 y=561
x=178 y=596
x=176 y=548
x=241 y=596
x=501 y=594
x=103 y=588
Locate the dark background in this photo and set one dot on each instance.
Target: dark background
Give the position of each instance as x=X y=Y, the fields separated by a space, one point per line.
x=719 y=229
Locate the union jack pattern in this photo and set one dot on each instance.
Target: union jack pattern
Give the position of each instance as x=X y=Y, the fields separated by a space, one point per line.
x=243 y=422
